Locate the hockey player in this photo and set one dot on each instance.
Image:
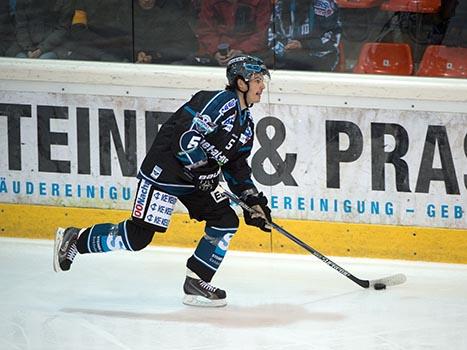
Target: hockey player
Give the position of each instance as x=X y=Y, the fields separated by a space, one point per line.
x=211 y=133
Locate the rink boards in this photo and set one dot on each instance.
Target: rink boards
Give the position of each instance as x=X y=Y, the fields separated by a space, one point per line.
x=333 y=239
x=364 y=166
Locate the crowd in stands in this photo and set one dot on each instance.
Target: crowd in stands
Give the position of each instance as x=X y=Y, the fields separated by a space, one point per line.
x=314 y=35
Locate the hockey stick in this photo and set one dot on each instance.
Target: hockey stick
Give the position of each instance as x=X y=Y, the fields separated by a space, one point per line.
x=387 y=281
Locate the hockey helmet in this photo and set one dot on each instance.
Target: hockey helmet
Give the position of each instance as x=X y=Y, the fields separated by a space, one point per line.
x=244 y=66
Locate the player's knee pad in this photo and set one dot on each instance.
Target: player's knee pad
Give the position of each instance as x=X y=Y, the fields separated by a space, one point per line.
x=221 y=229
x=228 y=220
x=139 y=236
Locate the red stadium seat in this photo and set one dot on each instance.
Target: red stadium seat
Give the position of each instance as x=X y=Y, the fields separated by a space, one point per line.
x=444 y=61
x=420 y=6
x=358 y=4
x=385 y=58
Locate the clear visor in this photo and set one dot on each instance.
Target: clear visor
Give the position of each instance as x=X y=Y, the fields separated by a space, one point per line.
x=264 y=77
x=258 y=71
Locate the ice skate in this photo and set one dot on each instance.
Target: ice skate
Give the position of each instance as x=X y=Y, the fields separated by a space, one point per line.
x=201 y=293
x=65 y=248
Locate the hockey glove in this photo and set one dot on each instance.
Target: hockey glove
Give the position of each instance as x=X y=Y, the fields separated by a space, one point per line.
x=262 y=216
x=205 y=178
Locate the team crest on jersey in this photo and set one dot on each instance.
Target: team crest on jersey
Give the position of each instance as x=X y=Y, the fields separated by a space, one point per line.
x=228 y=123
x=203 y=124
x=324 y=8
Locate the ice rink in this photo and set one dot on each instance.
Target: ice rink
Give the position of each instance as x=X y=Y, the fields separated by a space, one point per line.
x=132 y=301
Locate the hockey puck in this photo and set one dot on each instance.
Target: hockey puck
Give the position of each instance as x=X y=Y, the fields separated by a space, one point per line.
x=379 y=286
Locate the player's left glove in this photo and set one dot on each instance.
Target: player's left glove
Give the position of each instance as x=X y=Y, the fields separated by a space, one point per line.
x=262 y=215
x=205 y=177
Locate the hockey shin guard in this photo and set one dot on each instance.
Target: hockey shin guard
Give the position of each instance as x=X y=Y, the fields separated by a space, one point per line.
x=210 y=251
x=103 y=238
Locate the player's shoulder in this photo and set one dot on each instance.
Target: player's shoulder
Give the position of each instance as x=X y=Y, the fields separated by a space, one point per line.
x=214 y=102
x=211 y=95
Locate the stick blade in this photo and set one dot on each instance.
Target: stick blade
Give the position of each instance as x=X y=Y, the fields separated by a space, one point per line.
x=393 y=280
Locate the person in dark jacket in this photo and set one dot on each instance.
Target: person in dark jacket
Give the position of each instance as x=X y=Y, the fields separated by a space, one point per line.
x=212 y=133
x=41 y=28
x=456 y=31
x=7 y=34
x=227 y=28
x=305 y=34
x=162 y=31
x=102 y=30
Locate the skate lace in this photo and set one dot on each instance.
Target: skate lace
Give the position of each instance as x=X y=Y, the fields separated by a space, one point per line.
x=71 y=253
x=207 y=286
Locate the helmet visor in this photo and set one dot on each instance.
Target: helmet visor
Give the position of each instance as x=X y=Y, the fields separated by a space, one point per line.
x=252 y=69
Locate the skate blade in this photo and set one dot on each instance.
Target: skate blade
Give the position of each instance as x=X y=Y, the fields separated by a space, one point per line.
x=199 y=301
x=57 y=244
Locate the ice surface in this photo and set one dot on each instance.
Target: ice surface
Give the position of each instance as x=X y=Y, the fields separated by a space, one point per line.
x=125 y=300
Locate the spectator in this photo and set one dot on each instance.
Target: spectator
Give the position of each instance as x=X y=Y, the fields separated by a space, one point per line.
x=102 y=30
x=7 y=33
x=456 y=31
x=13 y=8
x=240 y=25
x=162 y=31
x=41 y=28
x=305 y=34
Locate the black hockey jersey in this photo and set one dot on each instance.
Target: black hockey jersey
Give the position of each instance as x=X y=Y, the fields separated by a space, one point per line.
x=211 y=127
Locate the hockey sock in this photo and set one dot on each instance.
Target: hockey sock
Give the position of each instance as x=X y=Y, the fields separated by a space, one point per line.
x=103 y=238
x=210 y=251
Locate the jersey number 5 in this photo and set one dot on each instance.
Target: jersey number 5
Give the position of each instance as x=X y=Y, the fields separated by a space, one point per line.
x=230 y=144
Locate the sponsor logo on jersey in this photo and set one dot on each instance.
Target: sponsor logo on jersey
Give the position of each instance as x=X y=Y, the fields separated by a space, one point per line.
x=228 y=106
x=160 y=209
x=156 y=172
x=228 y=123
x=246 y=135
x=218 y=196
x=214 y=153
x=141 y=199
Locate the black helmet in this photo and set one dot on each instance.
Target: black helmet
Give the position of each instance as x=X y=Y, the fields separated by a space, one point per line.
x=245 y=66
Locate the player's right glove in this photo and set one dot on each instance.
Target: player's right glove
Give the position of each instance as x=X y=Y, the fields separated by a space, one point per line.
x=262 y=215
x=205 y=177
